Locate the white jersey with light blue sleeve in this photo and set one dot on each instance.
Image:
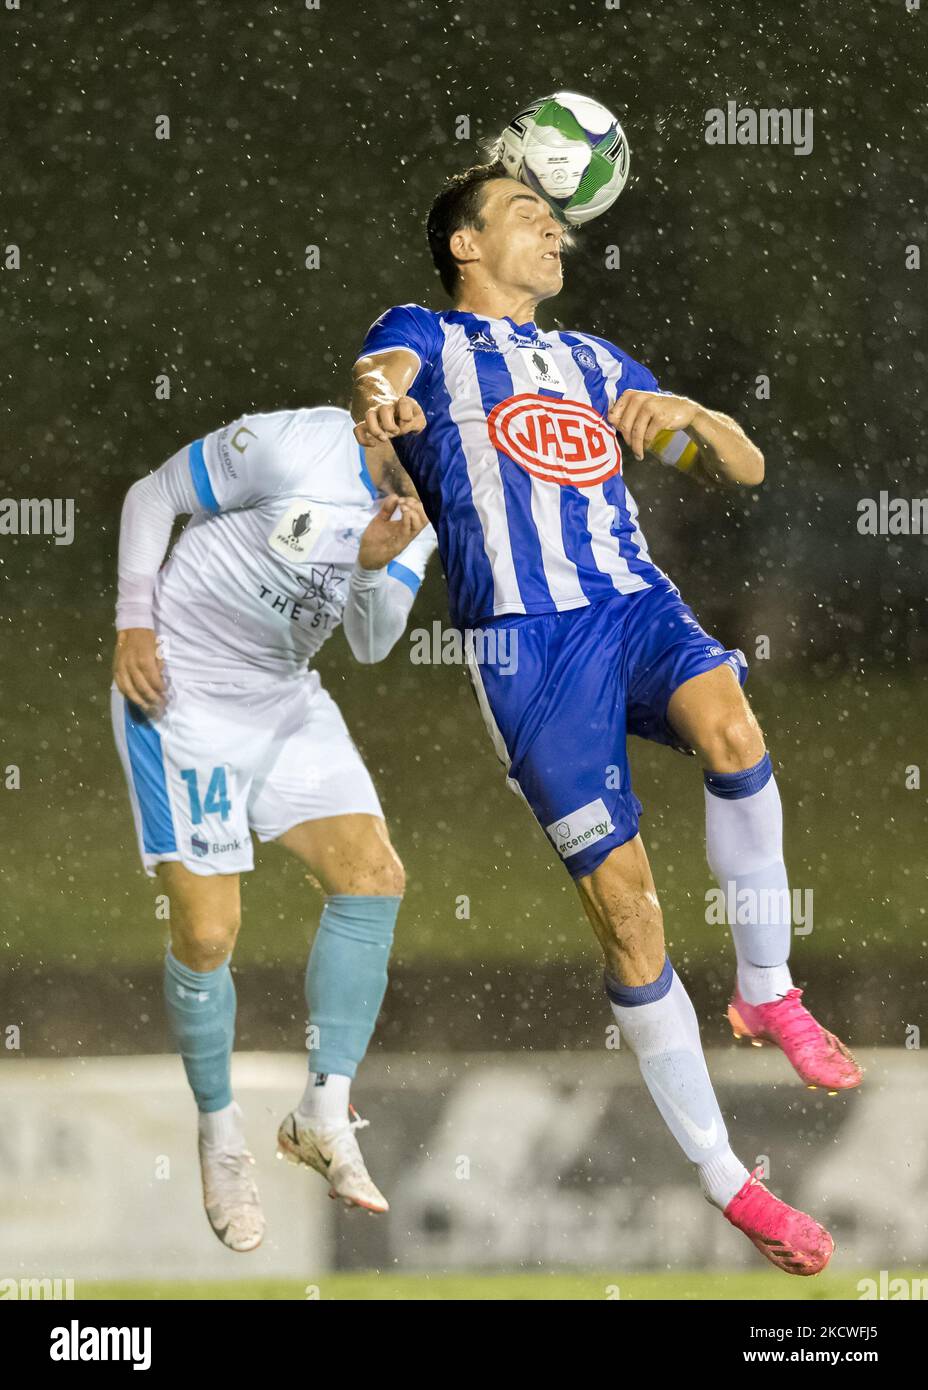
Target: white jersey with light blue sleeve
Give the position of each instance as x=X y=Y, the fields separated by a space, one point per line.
x=260 y=577
x=379 y=600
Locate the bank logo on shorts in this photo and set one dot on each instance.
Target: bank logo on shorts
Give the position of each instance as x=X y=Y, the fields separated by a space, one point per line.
x=295 y=534
x=580 y=828
x=562 y=442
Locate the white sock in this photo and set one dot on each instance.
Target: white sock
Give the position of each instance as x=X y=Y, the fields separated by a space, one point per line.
x=721 y=1178
x=325 y=1097
x=223 y=1129
x=762 y=984
x=744 y=846
x=659 y=1024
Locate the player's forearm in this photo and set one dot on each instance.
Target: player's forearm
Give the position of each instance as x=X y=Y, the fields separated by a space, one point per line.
x=151 y=507
x=373 y=387
x=726 y=454
x=376 y=613
x=144 y=533
x=382 y=379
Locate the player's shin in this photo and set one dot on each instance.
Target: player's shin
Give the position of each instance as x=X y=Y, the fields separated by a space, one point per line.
x=744 y=846
x=201 y=1013
x=658 y=1022
x=346 y=979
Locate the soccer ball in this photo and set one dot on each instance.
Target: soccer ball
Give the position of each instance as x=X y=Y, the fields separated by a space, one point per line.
x=571 y=151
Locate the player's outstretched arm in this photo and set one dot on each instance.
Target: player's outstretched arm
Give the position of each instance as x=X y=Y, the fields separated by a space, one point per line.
x=391 y=560
x=379 y=405
x=724 y=453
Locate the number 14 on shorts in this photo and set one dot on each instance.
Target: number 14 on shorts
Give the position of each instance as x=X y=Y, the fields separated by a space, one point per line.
x=217 y=796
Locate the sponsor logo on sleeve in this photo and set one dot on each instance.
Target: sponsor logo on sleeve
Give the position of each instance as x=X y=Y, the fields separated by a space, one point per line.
x=228 y=441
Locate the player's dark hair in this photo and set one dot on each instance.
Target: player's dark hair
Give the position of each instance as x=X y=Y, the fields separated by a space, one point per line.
x=457 y=205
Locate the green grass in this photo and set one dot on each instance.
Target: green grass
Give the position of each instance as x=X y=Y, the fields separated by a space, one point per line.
x=755 y=1287
x=72 y=888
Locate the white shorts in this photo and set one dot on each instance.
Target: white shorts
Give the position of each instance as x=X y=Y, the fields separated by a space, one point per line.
x=225 y=760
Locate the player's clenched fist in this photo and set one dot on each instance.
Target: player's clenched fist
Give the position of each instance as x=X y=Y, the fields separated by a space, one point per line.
x=137 y=668
x=381 y=422
x=399 y=520
x=640 y=415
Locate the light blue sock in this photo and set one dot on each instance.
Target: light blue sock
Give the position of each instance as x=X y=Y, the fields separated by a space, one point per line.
x=346 y=979
x=201 y=1011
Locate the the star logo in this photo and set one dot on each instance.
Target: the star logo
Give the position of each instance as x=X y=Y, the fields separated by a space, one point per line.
x=323 y=582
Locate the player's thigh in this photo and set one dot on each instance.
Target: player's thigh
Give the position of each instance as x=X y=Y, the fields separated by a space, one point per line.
x=316 y=798
x=668 y=651
x=348 y=854
x=711 y=714
x=189 y=772
x=557 y=721
x=205 y=914
x=620 y=900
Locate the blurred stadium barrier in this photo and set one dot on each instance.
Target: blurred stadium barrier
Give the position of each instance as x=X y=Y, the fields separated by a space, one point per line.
x=99 y=1177
x=531 y=1160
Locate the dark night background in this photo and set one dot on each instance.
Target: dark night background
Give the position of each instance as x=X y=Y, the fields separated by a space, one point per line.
x=333 y=127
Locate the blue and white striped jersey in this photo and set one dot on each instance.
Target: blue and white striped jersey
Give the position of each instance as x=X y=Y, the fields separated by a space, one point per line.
x=518 y=469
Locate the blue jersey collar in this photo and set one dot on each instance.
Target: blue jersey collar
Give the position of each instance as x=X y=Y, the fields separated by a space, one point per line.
x=528 y=330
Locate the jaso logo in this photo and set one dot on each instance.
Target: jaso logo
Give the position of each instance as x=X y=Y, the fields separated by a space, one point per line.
x=562 y=442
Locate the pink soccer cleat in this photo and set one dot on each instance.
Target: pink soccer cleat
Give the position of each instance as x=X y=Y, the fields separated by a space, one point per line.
x=789 y=1239
x=819 y=1057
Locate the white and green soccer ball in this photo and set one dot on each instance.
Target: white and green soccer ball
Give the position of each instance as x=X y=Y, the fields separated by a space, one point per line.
x=570 y=150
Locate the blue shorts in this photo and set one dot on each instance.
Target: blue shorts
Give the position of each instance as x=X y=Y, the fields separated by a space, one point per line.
x=561 y=691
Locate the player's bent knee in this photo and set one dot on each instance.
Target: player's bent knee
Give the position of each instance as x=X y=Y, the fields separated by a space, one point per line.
x=378 y=870
x=374 y=871
x=203 y=944
x=388 y=877
x=732 y=745
x=398 y=879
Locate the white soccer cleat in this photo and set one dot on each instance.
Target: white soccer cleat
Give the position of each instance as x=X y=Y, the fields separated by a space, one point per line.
x=331 y=1148
x=230 y=1196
